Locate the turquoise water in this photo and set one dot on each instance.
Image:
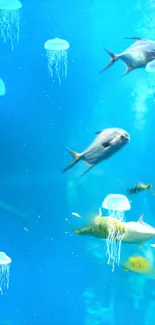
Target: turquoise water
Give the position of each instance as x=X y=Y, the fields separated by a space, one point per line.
x=57 y=277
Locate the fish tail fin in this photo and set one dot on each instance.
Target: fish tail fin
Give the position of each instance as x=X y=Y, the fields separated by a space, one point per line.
x=114 y=58
x=76 y=157
x=151 y=189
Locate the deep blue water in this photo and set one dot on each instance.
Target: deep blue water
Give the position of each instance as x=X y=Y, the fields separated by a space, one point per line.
x=56 y=278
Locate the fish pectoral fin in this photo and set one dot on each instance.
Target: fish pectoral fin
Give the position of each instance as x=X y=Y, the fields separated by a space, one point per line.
x=106 y=144
x=114 y=58
x=153 y=62
x=140 y=246
x=125 y=270
x=128 y=69
x=136 y=38
x=88 y=169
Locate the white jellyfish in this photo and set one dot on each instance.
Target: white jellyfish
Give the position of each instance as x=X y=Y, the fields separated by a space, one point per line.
x=57 y=56
x=116 y=204
x=10 y=20
x=5 y=262
x=2 y=88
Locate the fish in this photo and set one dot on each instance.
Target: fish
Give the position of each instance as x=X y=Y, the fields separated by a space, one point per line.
x=141 y=187
x=138 y=232
x=137 y=264
x=138 y=55
x=4 y=207
x=106 y=143
x=132 y=232
x=102 y=227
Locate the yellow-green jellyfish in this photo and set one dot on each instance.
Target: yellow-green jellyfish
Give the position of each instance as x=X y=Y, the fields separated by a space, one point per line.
x=10 y=20
x=56 y=50
x=5 y=262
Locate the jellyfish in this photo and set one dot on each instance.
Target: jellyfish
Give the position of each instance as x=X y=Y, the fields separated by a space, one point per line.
x=2 y=88
x=56 y=50
x=116 y=204
x=150 y=67
x=114 y=240
x=5 y=262
x=9 y=20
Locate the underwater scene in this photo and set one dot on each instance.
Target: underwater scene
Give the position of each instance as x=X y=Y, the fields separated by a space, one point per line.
x=77 y=148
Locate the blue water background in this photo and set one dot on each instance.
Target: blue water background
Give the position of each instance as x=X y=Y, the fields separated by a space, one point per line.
x=50 y=270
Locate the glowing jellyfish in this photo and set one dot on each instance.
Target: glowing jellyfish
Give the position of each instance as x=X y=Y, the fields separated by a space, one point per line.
x=5 y=262
x=2 y=88
x=150 y=67
x=9 y=20
x=116 y=231
x=116 y=204
x=57 y=56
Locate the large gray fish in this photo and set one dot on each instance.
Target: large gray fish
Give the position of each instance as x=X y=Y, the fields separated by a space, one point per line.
x=138 y=55
x=138 y=232
x=103 y=147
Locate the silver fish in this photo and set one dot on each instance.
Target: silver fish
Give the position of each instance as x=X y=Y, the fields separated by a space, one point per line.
x=138 y=55
x=103 y=147
x=138 y=232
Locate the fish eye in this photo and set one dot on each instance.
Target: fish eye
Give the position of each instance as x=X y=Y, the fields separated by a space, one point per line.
x=124 y=137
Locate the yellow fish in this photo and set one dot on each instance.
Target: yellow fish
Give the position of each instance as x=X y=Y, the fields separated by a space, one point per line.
x=141 y=187
x=138 y=264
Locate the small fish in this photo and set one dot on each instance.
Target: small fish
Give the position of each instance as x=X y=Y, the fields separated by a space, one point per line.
x=138 y=55
x=141 y=187
x=76 y=215
x=137 y=264
x=103 y=147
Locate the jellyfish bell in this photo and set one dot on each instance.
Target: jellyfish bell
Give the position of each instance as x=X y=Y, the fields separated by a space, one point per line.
x=5 y=262
x=56 y=50
x=116 y=202
x=57 y=44
x=4 y=259
x=9 y=20
x=2 y=88
x=10 y=5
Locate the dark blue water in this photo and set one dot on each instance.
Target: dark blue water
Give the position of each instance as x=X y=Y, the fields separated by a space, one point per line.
x=56 y=278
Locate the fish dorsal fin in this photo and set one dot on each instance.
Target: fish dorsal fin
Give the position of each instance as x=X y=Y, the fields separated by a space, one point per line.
x=141 y=220
x=98 y=132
